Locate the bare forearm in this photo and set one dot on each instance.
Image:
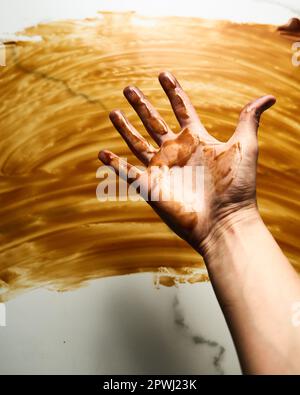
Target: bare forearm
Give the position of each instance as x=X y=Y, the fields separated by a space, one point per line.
x=255 y=284
x=256 y=287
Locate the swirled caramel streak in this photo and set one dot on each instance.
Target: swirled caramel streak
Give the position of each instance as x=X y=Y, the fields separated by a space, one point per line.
x=55 y=97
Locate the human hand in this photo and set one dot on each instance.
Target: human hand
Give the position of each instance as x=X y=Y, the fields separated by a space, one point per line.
x=229 y=168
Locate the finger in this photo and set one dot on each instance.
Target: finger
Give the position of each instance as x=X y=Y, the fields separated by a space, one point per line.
x=150 y=117
x=143 y=150
x=124 y=169
x=250 y=116
x=181 y=104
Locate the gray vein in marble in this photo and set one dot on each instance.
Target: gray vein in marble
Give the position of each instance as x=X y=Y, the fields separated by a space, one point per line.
x=198 y=339
x=48 y=77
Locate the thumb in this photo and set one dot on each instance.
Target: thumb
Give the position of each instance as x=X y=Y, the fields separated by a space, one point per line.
x=250 y=115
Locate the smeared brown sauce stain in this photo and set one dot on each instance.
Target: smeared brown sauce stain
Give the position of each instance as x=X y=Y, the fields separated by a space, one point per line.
x=176 y=152
x=292 y=26
x=181 y=106
x=153 y=122
x=227 y=166
x=55 y=99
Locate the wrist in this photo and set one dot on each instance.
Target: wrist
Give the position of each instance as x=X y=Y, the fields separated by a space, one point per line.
x=228 y=232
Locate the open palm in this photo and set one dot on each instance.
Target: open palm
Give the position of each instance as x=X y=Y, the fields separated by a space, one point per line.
x=228 y=170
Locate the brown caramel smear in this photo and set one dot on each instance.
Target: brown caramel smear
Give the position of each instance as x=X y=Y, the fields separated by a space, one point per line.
x=139 y=102
x=55 y=98
x=291 y=27
x=227 y=167
x=176 y=152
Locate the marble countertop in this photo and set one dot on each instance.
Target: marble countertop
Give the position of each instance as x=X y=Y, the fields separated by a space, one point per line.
x=122 y=325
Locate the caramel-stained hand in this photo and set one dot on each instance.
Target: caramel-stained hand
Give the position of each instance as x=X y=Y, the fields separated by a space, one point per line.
x=229 y=168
